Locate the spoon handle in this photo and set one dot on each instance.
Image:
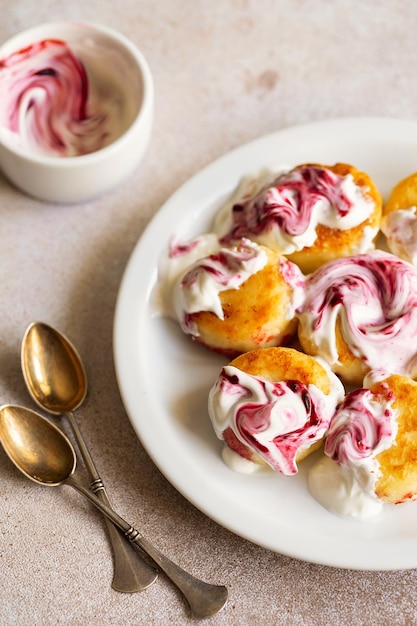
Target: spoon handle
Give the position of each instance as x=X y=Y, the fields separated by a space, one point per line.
x=204 y=599
x=131 y=572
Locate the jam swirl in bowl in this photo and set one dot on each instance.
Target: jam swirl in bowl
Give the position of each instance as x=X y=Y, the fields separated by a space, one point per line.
x=76 y=107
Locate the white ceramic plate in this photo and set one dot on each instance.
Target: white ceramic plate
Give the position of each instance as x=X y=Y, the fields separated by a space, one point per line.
x=164 y=377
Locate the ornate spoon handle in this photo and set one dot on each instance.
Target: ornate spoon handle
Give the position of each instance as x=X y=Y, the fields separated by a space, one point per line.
x=130 y=571
x=204 y=599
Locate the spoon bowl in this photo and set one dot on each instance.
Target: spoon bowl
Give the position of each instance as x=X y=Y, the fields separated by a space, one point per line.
x=37 y=448
x=52 y=369
x=44 y=454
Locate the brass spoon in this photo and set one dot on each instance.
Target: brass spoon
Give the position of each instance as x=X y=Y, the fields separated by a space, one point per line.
x=56 y=380
x=44 y=454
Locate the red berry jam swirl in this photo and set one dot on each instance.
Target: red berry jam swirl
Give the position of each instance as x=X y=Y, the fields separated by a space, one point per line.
x=299 y=200
x=45 y=101
x=362 y=426
x=275 y=420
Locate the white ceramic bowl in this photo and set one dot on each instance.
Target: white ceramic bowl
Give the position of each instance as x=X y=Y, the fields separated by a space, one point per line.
x=113 y=65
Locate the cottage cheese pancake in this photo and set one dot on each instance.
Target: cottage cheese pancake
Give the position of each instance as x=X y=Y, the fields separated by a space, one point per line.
x=272 y=407
x=359 y=314
x=370 y=449
x=312 y=213
x=234 y=299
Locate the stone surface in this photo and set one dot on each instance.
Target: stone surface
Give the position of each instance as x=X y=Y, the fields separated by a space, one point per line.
x=225 y=73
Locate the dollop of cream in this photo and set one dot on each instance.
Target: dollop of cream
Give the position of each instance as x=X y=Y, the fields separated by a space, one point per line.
x=174 y=262
x=400 y=230
x=284 y=212
x=275 y=420
x=374 y=298
x=64 y=101
x=344 y=480
x=344 y=492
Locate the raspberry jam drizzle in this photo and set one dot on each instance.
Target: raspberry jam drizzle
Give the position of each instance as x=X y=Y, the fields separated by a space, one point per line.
x=360 y=428
x=291 y=200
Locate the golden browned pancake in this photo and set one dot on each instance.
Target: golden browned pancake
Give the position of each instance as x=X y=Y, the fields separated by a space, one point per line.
x=397 y=481
x=403 y=195
x=258 y=314
x=299 y=425
x=333 y=243
x=277 y=364
x=399 y=220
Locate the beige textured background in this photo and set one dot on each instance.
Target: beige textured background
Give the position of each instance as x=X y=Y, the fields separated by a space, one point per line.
x=225 y=72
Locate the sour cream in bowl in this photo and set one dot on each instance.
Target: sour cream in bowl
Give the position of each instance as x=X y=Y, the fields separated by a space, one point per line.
x=76 y=109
